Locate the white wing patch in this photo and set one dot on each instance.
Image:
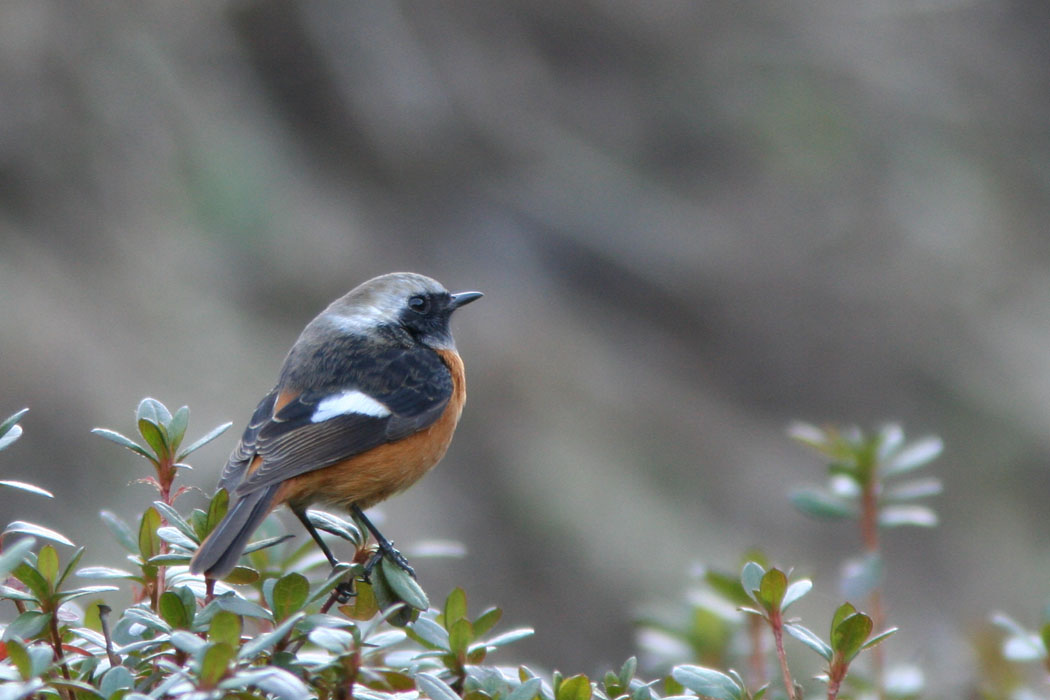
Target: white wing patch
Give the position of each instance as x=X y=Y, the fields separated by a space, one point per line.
x=348 y=403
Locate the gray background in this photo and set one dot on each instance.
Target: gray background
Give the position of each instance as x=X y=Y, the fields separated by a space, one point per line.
x=694 y=222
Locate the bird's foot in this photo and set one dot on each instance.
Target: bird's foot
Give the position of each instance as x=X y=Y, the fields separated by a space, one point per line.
x=386 y=551
x=344 y=592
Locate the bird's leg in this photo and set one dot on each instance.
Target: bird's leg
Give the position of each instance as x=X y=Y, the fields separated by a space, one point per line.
x=345 y=590
x=386 y=547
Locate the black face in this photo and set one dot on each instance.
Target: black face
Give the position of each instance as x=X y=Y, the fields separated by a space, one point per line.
x=426 y=317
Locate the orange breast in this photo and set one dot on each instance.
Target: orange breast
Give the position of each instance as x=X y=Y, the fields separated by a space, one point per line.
x=375 y=475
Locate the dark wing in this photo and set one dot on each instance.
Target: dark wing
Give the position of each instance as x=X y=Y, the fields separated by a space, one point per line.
x=413 y=384
x=243 y=454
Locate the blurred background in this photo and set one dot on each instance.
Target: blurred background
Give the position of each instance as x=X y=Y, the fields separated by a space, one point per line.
x=693 y=222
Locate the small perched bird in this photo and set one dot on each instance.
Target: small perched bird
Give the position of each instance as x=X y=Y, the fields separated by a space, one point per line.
x=366 y=403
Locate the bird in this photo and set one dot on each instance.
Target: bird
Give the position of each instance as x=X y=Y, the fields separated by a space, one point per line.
x=366 y=403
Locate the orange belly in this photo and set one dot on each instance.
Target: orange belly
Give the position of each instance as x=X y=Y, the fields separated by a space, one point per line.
x=370 y=477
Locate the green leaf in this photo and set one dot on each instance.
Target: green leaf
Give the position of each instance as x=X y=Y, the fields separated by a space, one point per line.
x=34 y=530
x=239 y=606
x=47 y=565
x=217 y=509
x=13 y=555
x=809 y=435
x=486 y=621
x=187 y=642
x=275 y=682
x=889 y=438
x=900 y=515
x=216 y=660
x=28 y=488
x=268 y=542
x=177 y=427
x=528 y=690
x=455 y=608
x=34 y=581
x=27 y=625
x=173 y=611
x=154 y=411
x=879 y=638
x=9 y=431
x=149 y=541
x=175 y=519
x=915 y=455
x=1024 y=647
x=10 y=436
x=211 y=435
x=120 y=531
x=156 y=438
x=116 y=678
x=337 y=575
x=577 y=687
x=332 y=640
x=627 y=671
x=913 y=490
x=810 y=639
x=460 y=636
x=364 y=605
x=403 y=585
x=73 y=561
x=240 y=575
x=429 y=633
x=289 y=595
x=172 y=559
x=10 y=421
x=771 y=589
x=707 y=682
x=509 y=637
x=174 y=536
x=848 y=637
x=672 y=687
x=795 y=591
x=435 y=688
x=105 y=572
x=114 y=436
x=148 y=618
x=337 y=526
x=9 y=593
x=19 y=656
x=263 y=642
x=821 y=504
x=225 y=627
x=751 y=578
x=841 y=613
x=72 y=593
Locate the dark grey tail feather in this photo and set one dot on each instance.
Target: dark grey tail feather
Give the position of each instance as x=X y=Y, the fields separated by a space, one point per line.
x=219 y=552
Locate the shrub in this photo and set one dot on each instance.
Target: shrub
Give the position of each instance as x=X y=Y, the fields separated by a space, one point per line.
x=281 y=624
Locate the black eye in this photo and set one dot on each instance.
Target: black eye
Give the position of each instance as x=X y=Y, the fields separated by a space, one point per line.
x=419 y=303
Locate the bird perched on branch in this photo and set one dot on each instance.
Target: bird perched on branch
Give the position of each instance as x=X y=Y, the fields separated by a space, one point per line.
x=366 y=403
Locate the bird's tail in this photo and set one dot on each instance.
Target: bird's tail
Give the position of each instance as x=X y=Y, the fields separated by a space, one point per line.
x=220 y=550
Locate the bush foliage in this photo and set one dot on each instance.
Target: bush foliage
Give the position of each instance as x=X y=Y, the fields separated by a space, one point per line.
x=281 y=625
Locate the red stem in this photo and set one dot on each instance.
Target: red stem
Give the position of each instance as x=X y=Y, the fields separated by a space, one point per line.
x=869 y=525
x=778 y=638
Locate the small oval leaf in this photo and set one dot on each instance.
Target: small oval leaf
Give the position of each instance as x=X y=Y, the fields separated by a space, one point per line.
x=707 y=682
x=28 y=488
x=34 y=530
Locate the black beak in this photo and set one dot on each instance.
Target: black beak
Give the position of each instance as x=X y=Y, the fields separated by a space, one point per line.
x=463 y=298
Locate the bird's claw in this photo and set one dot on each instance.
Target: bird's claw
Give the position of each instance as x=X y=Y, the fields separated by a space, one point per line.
x=387 y=551
x=344 y=592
